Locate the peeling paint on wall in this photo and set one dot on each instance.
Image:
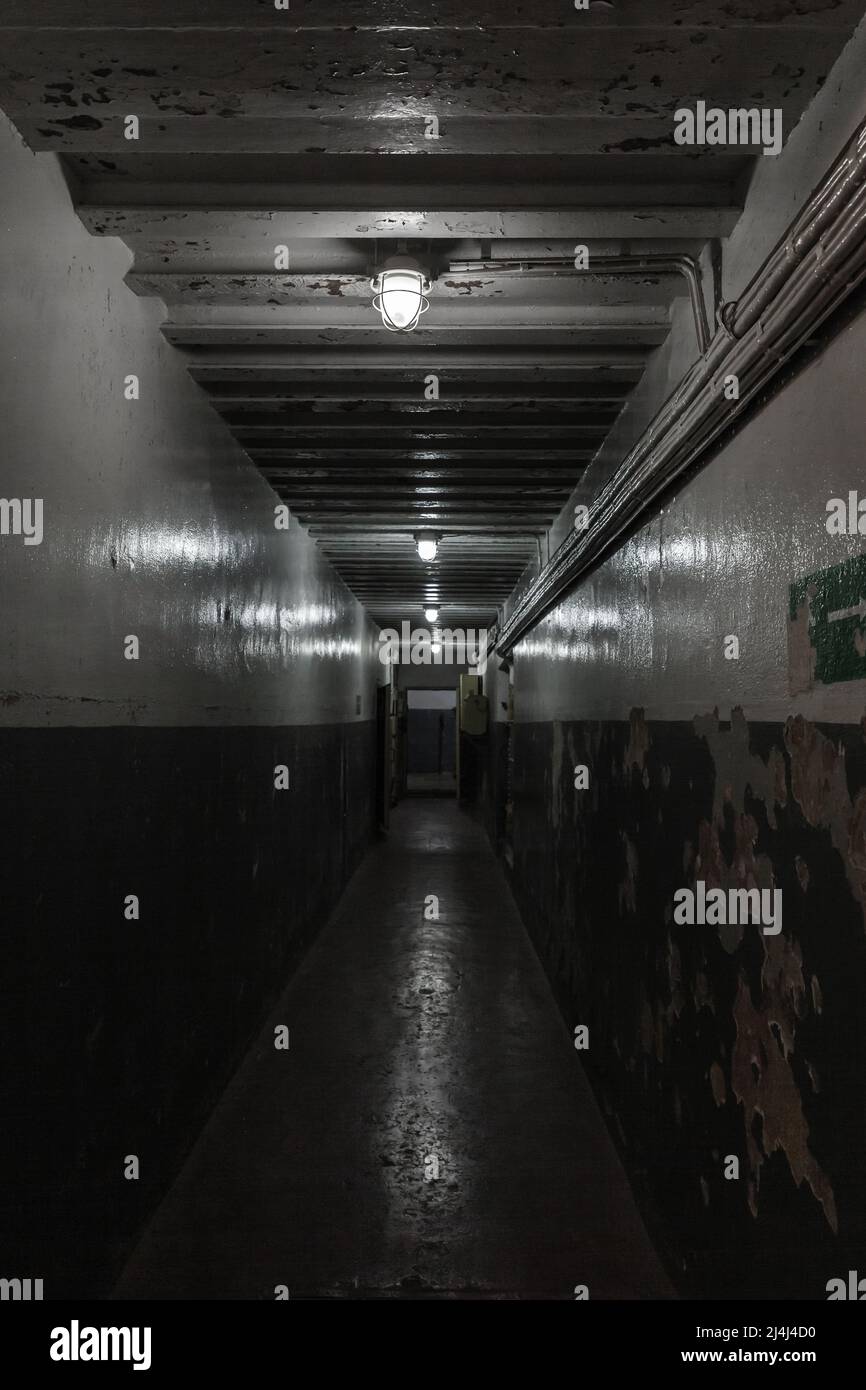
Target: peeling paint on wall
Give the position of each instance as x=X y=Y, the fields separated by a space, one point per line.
x=712 y=1040
x=819 y=784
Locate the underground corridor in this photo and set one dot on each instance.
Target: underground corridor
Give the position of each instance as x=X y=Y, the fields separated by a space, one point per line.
x=433 y=653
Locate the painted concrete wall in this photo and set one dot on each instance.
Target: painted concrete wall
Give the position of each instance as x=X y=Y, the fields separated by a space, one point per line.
x=647 y=628
x=124 y=777
x=708 y=1041
x=155 y=522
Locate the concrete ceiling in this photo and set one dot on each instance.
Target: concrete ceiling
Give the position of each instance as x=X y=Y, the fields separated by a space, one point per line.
x=306 y=128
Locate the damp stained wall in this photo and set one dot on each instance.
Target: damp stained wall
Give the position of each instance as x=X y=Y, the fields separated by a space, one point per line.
x=154 y=777
x=715 y=1041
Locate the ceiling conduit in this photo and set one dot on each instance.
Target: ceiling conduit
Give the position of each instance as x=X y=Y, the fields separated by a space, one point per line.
x=647 y=266
x=811 y=271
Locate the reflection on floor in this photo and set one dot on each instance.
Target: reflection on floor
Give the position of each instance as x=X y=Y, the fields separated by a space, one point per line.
x=428 y=1134
x=425 y=783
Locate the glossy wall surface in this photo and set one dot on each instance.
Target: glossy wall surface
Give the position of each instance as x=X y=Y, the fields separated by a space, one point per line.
x=710 y=1041
x=151 y=778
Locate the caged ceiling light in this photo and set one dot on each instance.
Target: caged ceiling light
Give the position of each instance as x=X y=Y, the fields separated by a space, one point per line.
x=427 y=543
x=401 y=290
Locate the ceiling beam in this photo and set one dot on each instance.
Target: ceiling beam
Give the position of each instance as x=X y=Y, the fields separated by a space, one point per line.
x=513 y=298
x=344 y=134
x=454 y=549
x=587 y=336
x=425 y=445
x=414 y=361
x=487 y=516
x=258 y=231
x=422 y=426
x=522 y=525
x=239 y=77
x=363 y=394
x=406 y=459
x=546 y=475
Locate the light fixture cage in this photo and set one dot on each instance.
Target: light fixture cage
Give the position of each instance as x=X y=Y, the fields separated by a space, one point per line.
x=396 y=270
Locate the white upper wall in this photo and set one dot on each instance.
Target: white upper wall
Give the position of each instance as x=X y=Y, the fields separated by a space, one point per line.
x=647 y=627
x=155 y=522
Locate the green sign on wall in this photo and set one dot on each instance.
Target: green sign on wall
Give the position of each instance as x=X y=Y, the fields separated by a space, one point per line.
x=828 y=610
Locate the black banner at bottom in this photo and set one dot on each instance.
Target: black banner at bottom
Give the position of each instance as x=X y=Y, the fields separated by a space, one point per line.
x=162 y=1340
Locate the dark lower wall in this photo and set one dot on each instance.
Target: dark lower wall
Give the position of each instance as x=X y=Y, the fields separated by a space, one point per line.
x=118 y=1035
x=706 y=1042
x=486 y=796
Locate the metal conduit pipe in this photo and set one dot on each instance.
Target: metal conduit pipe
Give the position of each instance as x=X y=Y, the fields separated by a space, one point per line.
x=661 y=264
x=811 y=271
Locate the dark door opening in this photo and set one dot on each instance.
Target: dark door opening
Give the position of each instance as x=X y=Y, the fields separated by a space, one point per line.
x=432 y=743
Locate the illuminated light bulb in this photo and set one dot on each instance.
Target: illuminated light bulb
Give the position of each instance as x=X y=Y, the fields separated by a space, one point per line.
x=427 y=543
x=400 y=291
x=432 y=615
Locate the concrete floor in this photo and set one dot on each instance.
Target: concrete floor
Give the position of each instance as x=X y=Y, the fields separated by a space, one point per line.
x=431 y=783
x=416 y=1046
